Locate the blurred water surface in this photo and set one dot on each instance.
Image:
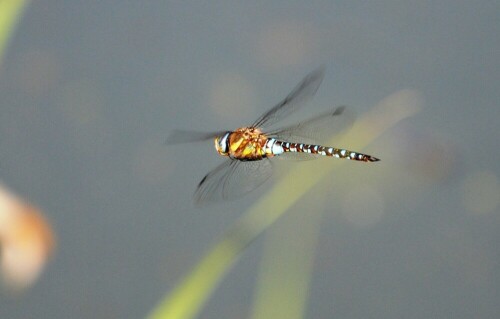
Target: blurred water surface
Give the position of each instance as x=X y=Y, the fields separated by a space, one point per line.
x=89 y=93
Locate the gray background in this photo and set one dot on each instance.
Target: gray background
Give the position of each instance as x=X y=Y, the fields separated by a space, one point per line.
x=90 y=89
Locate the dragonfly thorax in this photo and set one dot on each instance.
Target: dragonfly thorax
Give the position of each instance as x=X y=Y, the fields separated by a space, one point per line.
x=244 y=144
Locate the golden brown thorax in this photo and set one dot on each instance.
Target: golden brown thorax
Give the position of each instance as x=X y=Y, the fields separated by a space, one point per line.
x=247 y=144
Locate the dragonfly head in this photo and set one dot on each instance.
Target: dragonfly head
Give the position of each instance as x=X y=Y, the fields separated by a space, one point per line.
x=222 y=144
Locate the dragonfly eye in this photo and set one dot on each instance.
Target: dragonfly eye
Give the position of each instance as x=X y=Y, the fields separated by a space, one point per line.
x=222 y=144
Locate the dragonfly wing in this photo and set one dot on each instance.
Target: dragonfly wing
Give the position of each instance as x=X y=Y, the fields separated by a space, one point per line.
x=296 y=99
x=318 y=129
x=186 y=136
x=232 y=179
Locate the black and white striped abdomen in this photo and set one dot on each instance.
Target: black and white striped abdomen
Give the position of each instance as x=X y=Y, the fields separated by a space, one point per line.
x=277 y=147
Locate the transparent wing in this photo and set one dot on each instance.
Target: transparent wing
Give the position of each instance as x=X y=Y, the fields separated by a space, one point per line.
x=318 y=129
x=296 y=99
x=232 y=179
x=186 y=136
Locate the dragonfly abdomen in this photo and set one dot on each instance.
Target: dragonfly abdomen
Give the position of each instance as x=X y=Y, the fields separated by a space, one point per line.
x=279 y=147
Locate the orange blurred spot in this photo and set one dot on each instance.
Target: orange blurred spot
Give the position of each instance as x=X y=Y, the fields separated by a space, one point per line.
x=26 y=241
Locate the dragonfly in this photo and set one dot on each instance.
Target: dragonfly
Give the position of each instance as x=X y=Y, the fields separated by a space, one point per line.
x=251 y=150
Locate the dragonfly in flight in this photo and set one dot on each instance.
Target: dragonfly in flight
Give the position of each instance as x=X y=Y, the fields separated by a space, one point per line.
x=250 y=149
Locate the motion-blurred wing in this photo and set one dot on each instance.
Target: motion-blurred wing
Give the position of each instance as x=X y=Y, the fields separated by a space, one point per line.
x=318 y=129
x=232 y=179
x=186 y=136
x=296 y=99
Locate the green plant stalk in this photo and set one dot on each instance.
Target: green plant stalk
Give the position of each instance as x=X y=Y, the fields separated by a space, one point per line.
x=10 y=14
x=187 y=299
x=287 y=264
